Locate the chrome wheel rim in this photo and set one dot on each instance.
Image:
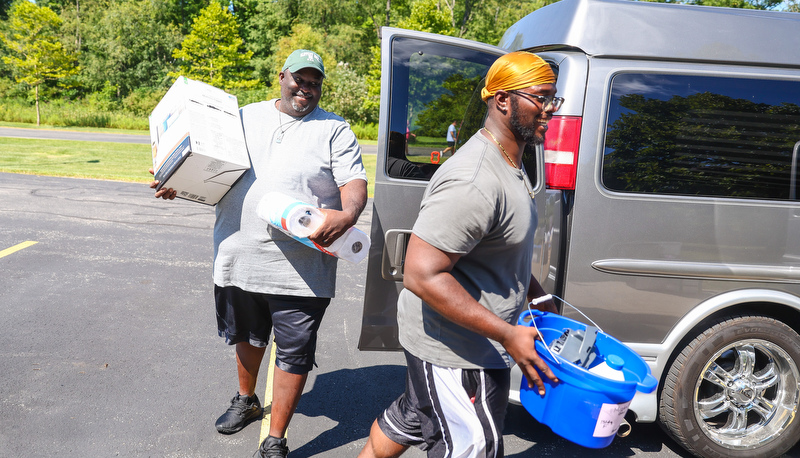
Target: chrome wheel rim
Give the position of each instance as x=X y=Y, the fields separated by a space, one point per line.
x=747 y=394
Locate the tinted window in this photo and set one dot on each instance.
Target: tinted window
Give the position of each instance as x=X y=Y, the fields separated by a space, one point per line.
x=433 y=85
x=702 y=136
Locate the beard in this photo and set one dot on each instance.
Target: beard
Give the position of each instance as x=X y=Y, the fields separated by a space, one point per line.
x=300 y=108
x=526 y=131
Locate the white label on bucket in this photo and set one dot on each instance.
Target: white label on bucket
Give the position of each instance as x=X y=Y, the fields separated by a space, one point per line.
x=610 y=418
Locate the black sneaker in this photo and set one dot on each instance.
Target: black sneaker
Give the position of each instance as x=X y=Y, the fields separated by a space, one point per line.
x=242 y=411
x=272 y=447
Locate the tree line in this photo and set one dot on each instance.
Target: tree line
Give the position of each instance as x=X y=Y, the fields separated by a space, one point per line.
x=122 y=55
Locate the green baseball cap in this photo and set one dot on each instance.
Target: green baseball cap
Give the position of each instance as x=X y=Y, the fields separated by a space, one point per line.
x=303 y=58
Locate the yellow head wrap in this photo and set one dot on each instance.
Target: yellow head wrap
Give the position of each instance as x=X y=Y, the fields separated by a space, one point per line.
x=517 y=70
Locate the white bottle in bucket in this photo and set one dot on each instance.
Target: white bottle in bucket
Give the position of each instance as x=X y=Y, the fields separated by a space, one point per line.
x=611 y=368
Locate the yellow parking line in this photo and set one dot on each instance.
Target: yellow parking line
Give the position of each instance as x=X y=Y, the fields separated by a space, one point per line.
x=268 y=396
x=16 y=248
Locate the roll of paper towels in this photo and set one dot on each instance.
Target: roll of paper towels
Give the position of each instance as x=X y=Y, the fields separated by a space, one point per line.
x=300 y=220
x=353 y=246
x=293 y=216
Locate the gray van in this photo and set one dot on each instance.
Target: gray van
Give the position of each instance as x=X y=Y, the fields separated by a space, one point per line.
x=666 y=191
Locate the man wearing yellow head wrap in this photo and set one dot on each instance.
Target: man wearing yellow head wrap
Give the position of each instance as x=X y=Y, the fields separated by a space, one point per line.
x=520 y=93
x=467 y=274
x=517 y=70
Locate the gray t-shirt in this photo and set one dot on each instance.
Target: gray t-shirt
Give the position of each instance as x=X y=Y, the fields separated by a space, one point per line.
x=478 y=206
x=316 y=154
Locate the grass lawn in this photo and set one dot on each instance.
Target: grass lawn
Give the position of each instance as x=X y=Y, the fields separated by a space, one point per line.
x=95 y=160
x=24 y=125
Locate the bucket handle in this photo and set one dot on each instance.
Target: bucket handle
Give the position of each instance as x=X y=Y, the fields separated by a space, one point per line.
x=547 y=347
x=547 y=297
x=648 y=385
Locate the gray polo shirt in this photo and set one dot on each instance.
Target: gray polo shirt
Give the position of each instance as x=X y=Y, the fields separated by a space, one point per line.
x=317 y=154
x=478 y=206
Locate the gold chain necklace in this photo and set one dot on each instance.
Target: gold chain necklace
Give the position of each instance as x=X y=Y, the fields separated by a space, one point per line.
x=530 y=192
x=501 y=147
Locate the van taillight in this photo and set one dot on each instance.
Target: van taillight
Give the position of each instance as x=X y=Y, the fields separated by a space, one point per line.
x=561 y=151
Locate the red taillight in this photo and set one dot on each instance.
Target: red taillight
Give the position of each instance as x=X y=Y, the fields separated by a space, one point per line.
x=561 y=152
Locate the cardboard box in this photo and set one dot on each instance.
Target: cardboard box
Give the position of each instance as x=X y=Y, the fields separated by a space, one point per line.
x=197 y=141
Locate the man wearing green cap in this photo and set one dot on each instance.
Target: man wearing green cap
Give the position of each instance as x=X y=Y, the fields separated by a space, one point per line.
x=265 y=281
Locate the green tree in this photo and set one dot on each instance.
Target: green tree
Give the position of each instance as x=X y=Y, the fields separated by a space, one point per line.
x=480 y=20
x=487 y=20
x=347 y=29
x=346 y=26
x=55 y=5
x=382 y=13
x=372 y=101
x=213 y=51
x=344 y=89
x=129 y=47
x=262 y=27
x=37 y=55
x=428 y=16
x=181 y=13
x=4 y=6
x=349 y=32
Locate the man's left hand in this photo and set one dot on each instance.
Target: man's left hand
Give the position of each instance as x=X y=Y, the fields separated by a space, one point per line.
x=335 y=225
x=354 y=197
x=520 y=345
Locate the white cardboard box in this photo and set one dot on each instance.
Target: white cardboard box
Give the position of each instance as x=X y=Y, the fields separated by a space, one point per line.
x=197 y=141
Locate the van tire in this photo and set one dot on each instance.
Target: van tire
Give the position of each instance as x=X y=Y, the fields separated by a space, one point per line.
x=726 y=345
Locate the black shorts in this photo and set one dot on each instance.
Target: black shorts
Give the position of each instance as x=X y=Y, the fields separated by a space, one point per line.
x=449 y=412
x=251 y=317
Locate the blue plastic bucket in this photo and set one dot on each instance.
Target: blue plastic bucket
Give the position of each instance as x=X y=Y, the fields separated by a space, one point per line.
x=584 y=408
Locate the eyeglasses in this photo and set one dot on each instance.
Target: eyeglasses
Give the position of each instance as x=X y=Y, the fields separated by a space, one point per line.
x=549 y=102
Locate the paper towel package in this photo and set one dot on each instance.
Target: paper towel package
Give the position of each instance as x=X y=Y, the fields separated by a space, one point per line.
x=296 y=218
x=197 y=141
x=353 y=246
x=300 y=220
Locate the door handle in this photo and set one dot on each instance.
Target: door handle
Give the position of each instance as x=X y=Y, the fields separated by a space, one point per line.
x=394 y=253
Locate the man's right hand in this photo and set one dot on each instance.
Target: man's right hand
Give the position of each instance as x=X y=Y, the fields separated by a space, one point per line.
x=520 y=345
x=164 y=193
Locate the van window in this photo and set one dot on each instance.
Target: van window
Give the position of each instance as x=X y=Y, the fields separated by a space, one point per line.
x=429 y=92
x=702 y=136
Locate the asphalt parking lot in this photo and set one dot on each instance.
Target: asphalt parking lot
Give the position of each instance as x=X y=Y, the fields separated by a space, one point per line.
x=108 y=342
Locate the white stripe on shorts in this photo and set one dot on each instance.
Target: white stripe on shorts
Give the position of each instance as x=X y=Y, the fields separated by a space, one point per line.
x=456 y=413
x=398 y=430
x=486 y=411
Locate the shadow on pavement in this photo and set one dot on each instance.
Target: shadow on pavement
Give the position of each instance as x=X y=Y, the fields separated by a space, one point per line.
x=351 y=397
x=545 y=443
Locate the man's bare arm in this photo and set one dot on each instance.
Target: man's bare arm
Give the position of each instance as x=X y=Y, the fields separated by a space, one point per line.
x=428 y=274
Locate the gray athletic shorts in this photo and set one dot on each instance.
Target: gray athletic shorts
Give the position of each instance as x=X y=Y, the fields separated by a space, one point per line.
x=449 y=412
x=251 y=317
